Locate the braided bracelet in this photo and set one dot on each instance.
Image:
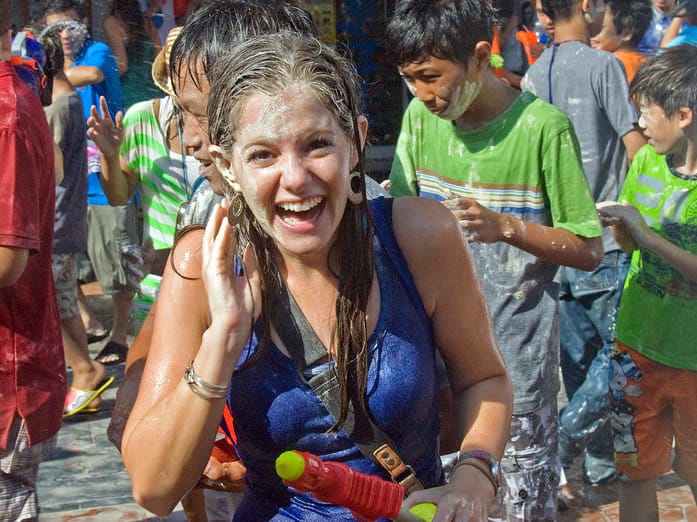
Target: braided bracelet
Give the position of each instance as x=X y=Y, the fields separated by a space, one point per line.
x=484 y=462
x=202 y=388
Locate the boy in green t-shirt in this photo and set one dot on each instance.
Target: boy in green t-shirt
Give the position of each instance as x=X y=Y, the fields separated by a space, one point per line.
x=508 y=165
x=654 y=380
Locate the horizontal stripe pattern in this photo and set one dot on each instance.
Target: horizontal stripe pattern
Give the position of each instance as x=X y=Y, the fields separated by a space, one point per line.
x=520 y=200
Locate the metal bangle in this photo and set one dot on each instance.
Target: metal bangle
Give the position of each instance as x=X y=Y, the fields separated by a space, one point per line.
x=202 y=388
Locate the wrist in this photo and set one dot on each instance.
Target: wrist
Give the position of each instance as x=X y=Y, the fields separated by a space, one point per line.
x=231 y=337
x=509 y=228
x=483 y=461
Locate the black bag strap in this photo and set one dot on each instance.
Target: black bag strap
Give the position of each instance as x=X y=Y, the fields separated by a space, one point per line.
x=306 y=350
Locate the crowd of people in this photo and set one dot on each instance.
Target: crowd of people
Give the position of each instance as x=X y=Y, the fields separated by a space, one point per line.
x=219 y=165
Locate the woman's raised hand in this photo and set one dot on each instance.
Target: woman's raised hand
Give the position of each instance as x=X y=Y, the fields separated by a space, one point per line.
x=103 y=131
x=233 y=301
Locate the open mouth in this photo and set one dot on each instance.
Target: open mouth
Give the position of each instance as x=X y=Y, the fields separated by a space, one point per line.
x=302 y=211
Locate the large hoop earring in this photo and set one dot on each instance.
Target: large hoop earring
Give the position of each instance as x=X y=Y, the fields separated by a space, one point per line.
x=236 y=209
x=355 y=187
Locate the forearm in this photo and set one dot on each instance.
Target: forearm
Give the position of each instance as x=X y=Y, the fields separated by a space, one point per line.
x=678 y=258
x=118 y=185
x=82 y=75
x=166 y=451
x=483 y=413
x=554 y=245
x=168 y=440
x=672 y=31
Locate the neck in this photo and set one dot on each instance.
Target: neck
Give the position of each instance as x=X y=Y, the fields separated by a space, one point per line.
x=684 y=160
x=494 y=98
x=573 y=29
x=304 y=267
x=691 y=158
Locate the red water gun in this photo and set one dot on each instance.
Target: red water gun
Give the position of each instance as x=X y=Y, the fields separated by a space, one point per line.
x=367 y=496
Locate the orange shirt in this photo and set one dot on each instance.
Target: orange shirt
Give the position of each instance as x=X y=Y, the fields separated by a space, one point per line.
x=631 y=61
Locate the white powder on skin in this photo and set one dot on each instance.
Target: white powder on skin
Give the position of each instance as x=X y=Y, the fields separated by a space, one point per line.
x=462 y=98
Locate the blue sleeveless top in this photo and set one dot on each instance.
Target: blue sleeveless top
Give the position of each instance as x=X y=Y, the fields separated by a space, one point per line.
x=275 y=411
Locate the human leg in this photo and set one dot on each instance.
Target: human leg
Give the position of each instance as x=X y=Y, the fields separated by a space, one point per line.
x=642 y=424
x=94 y=327
x=638 y=501
x=87 y=374
x=111 y=230
x=530 y=478
x=123 y=308
x=19 y=466
x=684 y=386
x=588 y=306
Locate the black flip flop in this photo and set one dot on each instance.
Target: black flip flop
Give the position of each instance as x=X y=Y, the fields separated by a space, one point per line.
x=112 y=348
x=93 y=338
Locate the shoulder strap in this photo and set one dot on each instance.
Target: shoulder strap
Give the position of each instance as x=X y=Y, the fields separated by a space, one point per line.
x=305 y=350
x=384 y=230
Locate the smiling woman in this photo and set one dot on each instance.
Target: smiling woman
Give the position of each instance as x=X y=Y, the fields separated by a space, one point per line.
x=296 y=247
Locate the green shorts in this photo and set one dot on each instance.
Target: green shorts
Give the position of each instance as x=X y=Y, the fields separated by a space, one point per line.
x=108 y=230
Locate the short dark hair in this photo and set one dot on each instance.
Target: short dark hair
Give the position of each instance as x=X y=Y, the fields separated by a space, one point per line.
x=446 y=29
x=669 y=79
x=559 y=9
x=632 y=18
x=61 y=6
x=212 y=29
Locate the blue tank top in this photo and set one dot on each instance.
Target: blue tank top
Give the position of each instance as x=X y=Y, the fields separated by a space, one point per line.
x=275 y=410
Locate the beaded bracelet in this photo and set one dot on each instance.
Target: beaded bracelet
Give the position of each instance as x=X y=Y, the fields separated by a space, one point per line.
x=202 y=388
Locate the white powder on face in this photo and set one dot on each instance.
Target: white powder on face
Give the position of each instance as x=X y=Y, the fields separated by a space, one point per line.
x=462 y=98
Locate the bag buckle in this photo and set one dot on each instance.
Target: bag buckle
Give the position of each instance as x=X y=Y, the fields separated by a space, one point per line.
x=401 y=473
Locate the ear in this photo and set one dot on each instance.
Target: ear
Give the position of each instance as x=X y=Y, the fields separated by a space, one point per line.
x=223 y=164
x=482 y=55
x=685 y=117
x=362 y=122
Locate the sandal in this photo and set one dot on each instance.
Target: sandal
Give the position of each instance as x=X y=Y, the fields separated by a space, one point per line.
x=112 y=353
x=77 y=401
x=93 y=337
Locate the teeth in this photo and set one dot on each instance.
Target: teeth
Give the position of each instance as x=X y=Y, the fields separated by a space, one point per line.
x=303 y=206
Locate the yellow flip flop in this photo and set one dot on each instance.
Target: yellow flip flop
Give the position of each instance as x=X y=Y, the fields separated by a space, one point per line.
x=77 y=400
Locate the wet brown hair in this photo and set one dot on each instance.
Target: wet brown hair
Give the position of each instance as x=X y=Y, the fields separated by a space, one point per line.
x=269 y=64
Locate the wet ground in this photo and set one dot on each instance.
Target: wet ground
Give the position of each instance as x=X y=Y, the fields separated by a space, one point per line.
x=84 y=480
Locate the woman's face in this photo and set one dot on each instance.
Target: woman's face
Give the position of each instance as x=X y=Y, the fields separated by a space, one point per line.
x=292 y=161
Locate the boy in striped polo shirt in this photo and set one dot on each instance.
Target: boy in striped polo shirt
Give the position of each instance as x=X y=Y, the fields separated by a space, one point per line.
x=508 y=165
